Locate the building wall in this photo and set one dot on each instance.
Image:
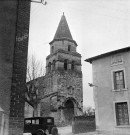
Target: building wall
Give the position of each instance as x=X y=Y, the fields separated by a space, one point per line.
x=63 y=45
x=13 y=62
x=18 y=86
x=28 y=112
x=31 y=107
x=63 y=79
x=104 y=95
x=7 y=40
x=60 y=82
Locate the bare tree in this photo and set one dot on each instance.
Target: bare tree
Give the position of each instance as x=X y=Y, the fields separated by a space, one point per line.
x=35 y=68
x=88 y=111
x=35 y=71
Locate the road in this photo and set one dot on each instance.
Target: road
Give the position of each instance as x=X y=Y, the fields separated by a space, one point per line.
x=65 y=130
x=68 y=131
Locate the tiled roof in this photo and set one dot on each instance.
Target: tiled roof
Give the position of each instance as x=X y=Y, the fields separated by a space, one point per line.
x=126 y=49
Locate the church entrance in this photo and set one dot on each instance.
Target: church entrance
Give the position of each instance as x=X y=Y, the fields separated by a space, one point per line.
x=68 y=111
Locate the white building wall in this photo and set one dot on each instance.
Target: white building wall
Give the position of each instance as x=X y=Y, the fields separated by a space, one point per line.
x=104 y=96
x=28 y=110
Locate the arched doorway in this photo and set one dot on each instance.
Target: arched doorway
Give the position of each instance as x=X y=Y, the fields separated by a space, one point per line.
x=68 y=111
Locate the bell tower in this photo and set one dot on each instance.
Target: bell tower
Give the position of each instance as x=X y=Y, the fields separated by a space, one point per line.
x=64 y=75
x=63 y=54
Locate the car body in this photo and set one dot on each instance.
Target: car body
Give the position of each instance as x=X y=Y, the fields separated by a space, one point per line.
x=39 y=125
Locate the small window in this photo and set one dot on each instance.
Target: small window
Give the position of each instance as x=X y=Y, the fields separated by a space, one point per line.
x=69 y=48
x=122 y=116
x=49 y=66
x=72 y=65
x=52 y=49
x=65 y=64
x=119 y=82
x=54 y=64
x=116 y=59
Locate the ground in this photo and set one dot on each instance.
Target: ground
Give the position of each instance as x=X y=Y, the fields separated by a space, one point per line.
x=68 y=131
x=65 y=130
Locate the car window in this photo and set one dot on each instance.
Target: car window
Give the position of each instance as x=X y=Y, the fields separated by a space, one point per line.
x=33 y=121
x=49 y=120
x=27 y=122
x=37 y=121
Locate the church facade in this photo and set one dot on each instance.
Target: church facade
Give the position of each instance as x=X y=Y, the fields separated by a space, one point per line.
x=62 y=92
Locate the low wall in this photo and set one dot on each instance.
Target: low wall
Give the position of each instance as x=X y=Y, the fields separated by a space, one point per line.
x=82 y=124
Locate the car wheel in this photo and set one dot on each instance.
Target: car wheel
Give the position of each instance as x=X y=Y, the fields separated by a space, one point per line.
x=54 y=131
x=46 y=132
x=39 y=133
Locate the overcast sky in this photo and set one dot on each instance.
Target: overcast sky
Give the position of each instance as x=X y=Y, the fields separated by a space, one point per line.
x=98 y=26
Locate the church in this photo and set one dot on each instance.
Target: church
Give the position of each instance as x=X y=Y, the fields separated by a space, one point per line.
x=62 y=93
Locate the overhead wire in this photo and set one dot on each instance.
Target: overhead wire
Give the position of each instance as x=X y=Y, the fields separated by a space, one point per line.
x=54 y=4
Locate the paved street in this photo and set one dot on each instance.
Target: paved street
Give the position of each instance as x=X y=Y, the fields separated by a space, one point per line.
x=68 y=131
x=65 y=130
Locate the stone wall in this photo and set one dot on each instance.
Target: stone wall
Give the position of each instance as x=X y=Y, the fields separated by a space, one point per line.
x=8 y=12
x=16 y=121
x=68 y=86
x=82 y=124
x=14 y=29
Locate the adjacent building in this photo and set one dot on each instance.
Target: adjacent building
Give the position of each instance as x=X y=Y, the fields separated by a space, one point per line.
x=28 y=110
x=14 y=31
x=33 y=94
x=111 y=84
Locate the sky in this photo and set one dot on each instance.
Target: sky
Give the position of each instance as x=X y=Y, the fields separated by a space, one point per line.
x=98 y=26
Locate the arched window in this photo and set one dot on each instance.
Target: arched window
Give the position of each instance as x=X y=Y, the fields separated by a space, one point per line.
x=54 y=64
x=65 y=64
x=69 y=48
x=52 y=49
x=49 y=67
x=72 y=65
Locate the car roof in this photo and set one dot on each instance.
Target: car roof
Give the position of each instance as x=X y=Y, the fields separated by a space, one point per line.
x=39 y=118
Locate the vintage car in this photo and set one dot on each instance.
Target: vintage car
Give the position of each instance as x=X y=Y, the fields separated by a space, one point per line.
x=40 y=126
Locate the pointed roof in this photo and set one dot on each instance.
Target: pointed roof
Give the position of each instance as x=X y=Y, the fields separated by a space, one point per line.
x=63 y=30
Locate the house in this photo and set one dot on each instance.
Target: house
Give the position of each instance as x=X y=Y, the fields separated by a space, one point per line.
x=111 y=85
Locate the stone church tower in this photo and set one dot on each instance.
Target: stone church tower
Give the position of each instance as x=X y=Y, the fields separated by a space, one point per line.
x=63 y=79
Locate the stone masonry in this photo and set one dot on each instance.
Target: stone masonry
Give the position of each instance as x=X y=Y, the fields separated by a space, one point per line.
x=14 y=31
x=63 y=79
